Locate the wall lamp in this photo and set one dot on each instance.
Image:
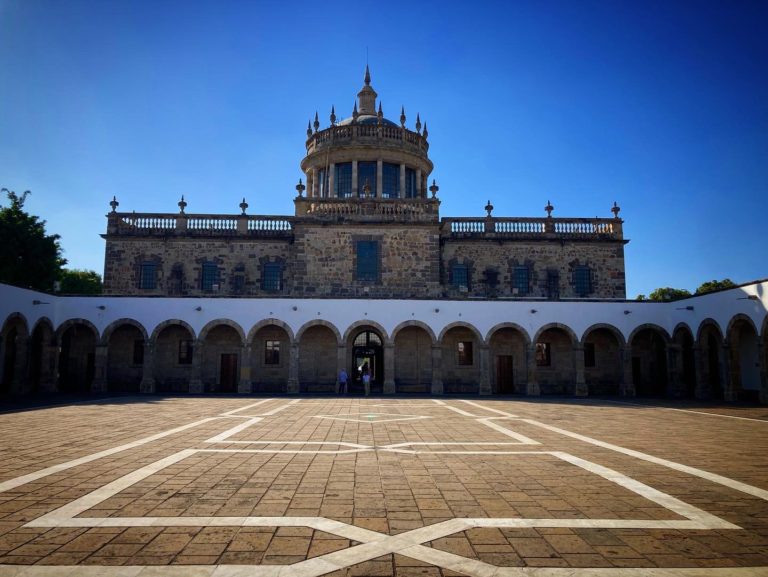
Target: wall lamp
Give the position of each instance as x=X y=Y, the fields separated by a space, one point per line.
x=198 y=308
x=437 y=310
x=37 y=302
x=101 y=307
x=688 y=308
x=295 y=308
x=746 y=298
x=627 y=312
x=534 y=311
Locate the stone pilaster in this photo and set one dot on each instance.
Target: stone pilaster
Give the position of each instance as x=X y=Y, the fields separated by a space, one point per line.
x=762 y=359
x=674 y=371
x=244 y=384
x=195 y=380
x=729 y=375
x=580 y=388
x=627 y=383
x=331 y=180
x=379 y=178
x=341 y=363
x=484 y=387
x=148 y=384
x=355 y=188
x=437 y=370
x=389 y=369
x=402 y=181
x=99 y=384
x=532 y=387
x=292 y=386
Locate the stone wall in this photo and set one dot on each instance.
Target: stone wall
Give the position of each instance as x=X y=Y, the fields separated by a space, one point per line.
x=605 y=259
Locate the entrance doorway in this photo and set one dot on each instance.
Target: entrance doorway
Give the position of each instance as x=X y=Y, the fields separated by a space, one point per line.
x=505 y=375
x=367 y=355
x=228 y=374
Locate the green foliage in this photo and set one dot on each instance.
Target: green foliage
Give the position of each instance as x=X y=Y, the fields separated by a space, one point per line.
x=641 y=298
x=715 y=285
x=80 y=282
x=668 y=294
x=29 y=257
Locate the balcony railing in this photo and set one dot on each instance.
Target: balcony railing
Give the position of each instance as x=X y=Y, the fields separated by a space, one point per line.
x=384 y=135
x=525 y=228
x=204 y=225
x=369 y=209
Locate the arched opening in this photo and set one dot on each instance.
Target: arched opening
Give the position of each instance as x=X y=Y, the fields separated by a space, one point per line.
x=220 y=369
x=125 y=359
x=461 y=361
x=745 y=364
x=42 y=361
x=174 y=352
x=555 y=368
x=77 y=359
x=508 y=368
x=413 y=361
x=270 y=356
x=13 y=342
x=649 y=363
x=317 y=360
x=603 y=367
x=367 y=356
x=712 y=361
x=685 y=363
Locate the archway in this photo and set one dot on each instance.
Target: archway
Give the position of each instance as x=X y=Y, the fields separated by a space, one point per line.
x=77 y=357
x=318 y=346
x=745 y=362
x=710 y=341
x=270 y=357
x=13 y=354
x=508 y=369
x=174 y=352
x=366 y=354
x=603 y=363
x=461 y=359
x=555 y=363
x=220 y=368
x=413 y=360
x=42 y=360
x=685 y=365
x=649 y=361
x=125 y=357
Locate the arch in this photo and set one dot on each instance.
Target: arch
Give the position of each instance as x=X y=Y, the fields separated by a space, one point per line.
x=221 y=322
x=15 y=317
x=42 y=321
x=318 y=323
x=743 y=345
x=169 y=323
x=709 y=323
x=419 y=324
x=557 y=326
x=605 y=326
x=42 y=371
x=507 y=325
x=14 y=362
x=270 y=322
x=66 y=325
x=363 y=324
x=661 y=330
x=105 y=336
x=735 y=319
x=507 y=346
x=684 y=365
x=764 y=329
x=460 y=324
x=555 y=359
x=77 y=340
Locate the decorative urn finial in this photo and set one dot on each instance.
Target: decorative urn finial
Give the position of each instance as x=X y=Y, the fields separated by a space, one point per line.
x=402 y=116
x=615 y=210
x=333 y=116
x=317 y=122
x=489 y=208
x=309 y=128
x=114 y=204
x=548 y=209
x=367 y=76
x=434 y=188
x=300 y=188
x=355 y=113
x=418 y=123
x=243 y=206
x=425 y=129
x=182 y=204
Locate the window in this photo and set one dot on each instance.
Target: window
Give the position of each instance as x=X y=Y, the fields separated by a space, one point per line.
x=543 y=355
x=343 y=181
x=322 y=183
x=271 y=352
x=238 y=279
x=589 y=355
x=185 y=352
x=553 y=285
x=410 y=183
x=521 y=281
x=464 y=353
x=138 y=352
x=366 y=174
x=582 y=281
x=367 y=260
x=460 y=276
x=391 y=181
x=148 y=276
x=271 y=279
x=209 y=279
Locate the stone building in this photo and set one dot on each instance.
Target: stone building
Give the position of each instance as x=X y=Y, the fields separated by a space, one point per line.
x=368 y=226
x=367 y=274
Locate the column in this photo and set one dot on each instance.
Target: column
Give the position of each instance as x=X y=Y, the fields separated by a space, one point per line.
x=389 y=368
x=418 y=183
x=437 y=369
x=21 y=366
x=244 y=384
x=485 y=376
x=674 y=370
x=292 y=387
x=99 y=384
x=341 y=363
x=627 y=385
x=729 y=377
x=195 y=381
x=402 y=181
x=532 y=388
x=48 y=365
x=379 y=178
x=355 y=191
x=331 y=180
x=147 y=384
x=580 y=387
x=312 y=186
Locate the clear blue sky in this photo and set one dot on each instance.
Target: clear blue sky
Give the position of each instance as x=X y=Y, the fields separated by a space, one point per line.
x=660 y=106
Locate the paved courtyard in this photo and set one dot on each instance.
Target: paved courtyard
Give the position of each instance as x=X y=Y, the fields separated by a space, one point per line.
x=229 y=487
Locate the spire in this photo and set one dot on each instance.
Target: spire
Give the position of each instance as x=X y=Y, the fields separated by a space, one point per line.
x=333 y=116
x=418 y=123
x=317 y=122
x=309 y=128
x=354 y=112
x=367 y=96
x=425 y=129
x=367 y=76
x=402 y=116
x=380 y=115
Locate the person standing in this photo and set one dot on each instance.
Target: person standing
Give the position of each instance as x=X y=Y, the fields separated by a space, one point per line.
x=367 y=382
x=341 y=387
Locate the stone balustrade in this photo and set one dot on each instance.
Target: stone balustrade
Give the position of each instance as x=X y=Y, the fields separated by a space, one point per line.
x=384 y=135
x=198 y=225
x=527 y=228
x=369 y=209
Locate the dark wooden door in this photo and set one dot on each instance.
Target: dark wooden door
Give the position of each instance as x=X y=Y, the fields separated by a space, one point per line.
x=505 y=375
x=228 y=376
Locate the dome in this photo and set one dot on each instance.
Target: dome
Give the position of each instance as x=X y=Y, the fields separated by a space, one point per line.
x=367 y=119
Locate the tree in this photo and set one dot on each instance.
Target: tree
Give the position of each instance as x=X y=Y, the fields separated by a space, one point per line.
x=80 y=282
x=668 y=294
x=715 y=285
x=29 y=257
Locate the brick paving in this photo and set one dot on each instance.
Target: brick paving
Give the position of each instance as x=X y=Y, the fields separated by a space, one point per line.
x=378 y=485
